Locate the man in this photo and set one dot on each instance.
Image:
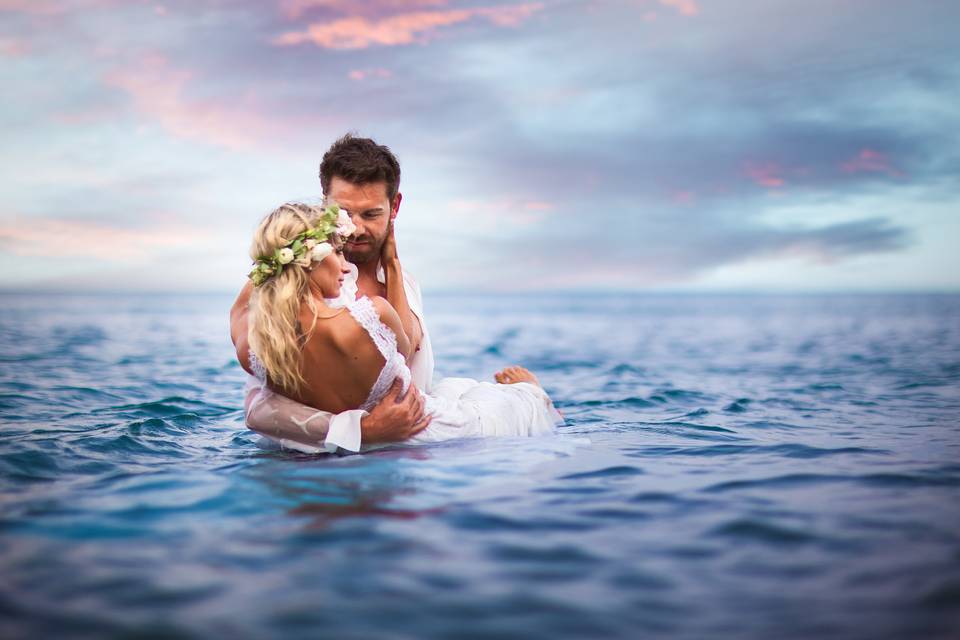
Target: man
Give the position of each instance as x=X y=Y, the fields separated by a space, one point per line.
x=364 y=178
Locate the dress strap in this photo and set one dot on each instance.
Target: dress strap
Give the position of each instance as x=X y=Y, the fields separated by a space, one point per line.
x=367 y=317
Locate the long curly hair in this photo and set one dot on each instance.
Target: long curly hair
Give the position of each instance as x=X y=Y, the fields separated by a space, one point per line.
x=274 y=332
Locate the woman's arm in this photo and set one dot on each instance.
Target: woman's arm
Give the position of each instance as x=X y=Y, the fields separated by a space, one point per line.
x=389 y=317
x=397 y=295
x=238 y=326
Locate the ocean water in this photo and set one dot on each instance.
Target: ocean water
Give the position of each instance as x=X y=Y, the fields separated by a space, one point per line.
x=732 y=466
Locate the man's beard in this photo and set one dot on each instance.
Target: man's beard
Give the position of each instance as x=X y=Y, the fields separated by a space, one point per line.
x=371 y=252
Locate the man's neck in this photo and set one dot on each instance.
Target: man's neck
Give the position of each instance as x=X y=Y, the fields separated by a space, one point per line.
x=367 y=269
x=367 y=282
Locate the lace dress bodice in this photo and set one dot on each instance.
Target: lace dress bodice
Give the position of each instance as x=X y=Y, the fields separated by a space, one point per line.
x=394 y=365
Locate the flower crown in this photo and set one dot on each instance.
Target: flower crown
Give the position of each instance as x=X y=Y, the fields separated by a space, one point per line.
x=307 y=247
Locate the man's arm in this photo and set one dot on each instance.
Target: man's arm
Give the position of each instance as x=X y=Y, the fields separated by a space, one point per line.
x=394 y=419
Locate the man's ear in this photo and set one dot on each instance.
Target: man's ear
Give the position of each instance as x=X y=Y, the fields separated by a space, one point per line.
x=395 y=205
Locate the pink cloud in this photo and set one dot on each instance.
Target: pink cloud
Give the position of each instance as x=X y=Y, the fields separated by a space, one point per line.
x=42 y=7
x=684 y=7
x=32 y=237
x=870 y=161
x=683 y=197
x=767 y=174
x=362 y=74
x=158 y=91
x=295 y=8
x=510 y=16
x=538 y=205
x=54 y=7
x=13 y=48
x=358 y=32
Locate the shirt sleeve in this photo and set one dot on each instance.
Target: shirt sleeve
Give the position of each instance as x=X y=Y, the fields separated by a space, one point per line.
x=421 y=364
x=414 y=297
x=302 y=428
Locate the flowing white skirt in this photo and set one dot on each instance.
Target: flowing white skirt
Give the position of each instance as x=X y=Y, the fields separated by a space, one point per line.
x=465 y=408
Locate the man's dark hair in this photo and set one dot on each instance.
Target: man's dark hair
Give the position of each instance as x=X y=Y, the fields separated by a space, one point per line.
x=360 y=161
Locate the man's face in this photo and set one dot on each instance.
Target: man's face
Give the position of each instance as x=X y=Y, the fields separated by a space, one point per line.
x=370 y=209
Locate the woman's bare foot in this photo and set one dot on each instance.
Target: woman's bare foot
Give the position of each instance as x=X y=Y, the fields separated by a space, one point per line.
x=513 y=375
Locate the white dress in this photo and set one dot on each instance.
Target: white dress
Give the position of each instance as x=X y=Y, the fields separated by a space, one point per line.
x=460 y=407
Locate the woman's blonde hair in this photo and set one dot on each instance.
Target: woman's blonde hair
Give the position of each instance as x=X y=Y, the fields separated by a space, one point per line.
x=274 y=332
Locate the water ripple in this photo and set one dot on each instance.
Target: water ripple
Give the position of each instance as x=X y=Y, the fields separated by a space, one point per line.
x=732 y=466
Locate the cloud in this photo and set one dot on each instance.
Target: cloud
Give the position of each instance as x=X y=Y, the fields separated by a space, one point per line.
x=53 y=7
x=13 y=47
x=41 y=7
x=293 y=9
x=359 y=32
x=362 y=74
x=56 y=238
x=870 y=161
x=767 y=174
x=684 y=7
x=159 y=91
x=833 y=242
x=649 y=253
x=502 y=215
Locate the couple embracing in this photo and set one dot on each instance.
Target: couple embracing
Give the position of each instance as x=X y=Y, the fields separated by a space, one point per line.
x=332 y=328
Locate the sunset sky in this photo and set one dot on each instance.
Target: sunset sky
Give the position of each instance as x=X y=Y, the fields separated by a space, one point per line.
x=664 y=145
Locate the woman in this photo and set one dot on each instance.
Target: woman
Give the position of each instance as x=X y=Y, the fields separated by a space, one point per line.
x=344 y=358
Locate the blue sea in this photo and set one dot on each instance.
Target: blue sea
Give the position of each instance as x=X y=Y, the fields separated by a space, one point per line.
x=731 y=467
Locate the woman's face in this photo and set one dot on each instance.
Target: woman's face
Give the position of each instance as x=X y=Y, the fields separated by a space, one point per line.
x=328 y=274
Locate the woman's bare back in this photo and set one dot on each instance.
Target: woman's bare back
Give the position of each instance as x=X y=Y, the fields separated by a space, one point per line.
x=340 y=362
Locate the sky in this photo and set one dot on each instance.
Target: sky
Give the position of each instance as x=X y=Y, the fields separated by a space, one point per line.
x=647 y=145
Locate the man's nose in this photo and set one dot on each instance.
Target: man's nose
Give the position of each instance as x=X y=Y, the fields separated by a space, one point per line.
x=358 y=223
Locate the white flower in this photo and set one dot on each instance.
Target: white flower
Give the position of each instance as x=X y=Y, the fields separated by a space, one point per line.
x=345 y=226
x=309 y=243
x=285 y=256
x=321 y=251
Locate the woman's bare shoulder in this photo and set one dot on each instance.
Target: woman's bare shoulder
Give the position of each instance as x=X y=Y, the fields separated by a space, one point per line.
x=388 y=315
x=381 y=304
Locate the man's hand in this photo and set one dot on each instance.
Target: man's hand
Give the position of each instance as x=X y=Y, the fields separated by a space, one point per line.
x=396 y=417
